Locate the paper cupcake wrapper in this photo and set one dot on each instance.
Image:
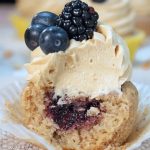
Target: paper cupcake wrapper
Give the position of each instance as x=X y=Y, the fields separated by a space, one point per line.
x=12 y=93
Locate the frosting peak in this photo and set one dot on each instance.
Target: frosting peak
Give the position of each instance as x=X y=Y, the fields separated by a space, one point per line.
x=89 y=68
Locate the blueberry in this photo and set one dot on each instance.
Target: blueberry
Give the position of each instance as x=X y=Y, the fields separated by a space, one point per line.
x=54 y=39
x=46 y=18
x=32 y=35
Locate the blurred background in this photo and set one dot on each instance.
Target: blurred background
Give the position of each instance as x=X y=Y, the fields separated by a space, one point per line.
x=132 y=23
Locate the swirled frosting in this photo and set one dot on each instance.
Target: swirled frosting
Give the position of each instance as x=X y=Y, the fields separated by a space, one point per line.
x=88 y=68
x=117 y=13
x=142 y=7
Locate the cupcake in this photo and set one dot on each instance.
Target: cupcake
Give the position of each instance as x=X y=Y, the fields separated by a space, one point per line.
x=79 y=94
x=143 y=14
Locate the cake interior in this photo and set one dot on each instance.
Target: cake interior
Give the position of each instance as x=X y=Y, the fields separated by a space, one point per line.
x=72 y=113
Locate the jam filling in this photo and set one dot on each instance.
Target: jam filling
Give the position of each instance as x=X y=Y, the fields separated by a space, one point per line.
x=72 y=115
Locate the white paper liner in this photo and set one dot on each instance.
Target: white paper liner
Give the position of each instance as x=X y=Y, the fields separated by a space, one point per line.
x=12 y=95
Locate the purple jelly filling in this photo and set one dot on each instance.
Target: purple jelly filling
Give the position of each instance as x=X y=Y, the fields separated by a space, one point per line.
x=72 y=115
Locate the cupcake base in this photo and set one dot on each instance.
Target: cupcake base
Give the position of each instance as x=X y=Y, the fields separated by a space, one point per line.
x=116 y=118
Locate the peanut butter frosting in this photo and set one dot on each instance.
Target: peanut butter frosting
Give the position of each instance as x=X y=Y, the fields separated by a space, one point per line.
x=117 y=13
x=88 y=68
x=142 y=7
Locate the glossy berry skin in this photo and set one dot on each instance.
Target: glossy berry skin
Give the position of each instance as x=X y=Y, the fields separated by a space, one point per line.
x=32 y=35
x=45 y=17
x=76 y=18
x=54 y=39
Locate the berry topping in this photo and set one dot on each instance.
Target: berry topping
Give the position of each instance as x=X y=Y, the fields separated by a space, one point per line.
x=72 y=115
x=52 y=33
x=53 y=39
x=99 y=1
x=32 y=35
x=78 y=19
x=46 y=18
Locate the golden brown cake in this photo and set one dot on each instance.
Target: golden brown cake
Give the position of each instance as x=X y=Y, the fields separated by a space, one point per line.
x=115 y=122
x=79 y=95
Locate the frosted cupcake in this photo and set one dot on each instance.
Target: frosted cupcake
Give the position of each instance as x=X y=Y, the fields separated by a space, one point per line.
x=79 y=94
x=143 y=14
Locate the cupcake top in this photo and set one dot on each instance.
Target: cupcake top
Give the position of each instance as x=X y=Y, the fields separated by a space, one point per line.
x=117 y=13
x=80 y=56
x=141 y=6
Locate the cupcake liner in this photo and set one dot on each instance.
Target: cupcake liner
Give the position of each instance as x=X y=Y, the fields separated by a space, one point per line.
x=12 y=93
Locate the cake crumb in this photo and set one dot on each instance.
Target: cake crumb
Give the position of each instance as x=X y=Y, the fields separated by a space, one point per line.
x=93 y=111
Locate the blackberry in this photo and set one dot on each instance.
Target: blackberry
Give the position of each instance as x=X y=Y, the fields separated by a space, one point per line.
x=78 y=20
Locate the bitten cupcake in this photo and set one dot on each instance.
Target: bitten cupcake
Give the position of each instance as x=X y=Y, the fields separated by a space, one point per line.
x=79 y=95
x=142 y=8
